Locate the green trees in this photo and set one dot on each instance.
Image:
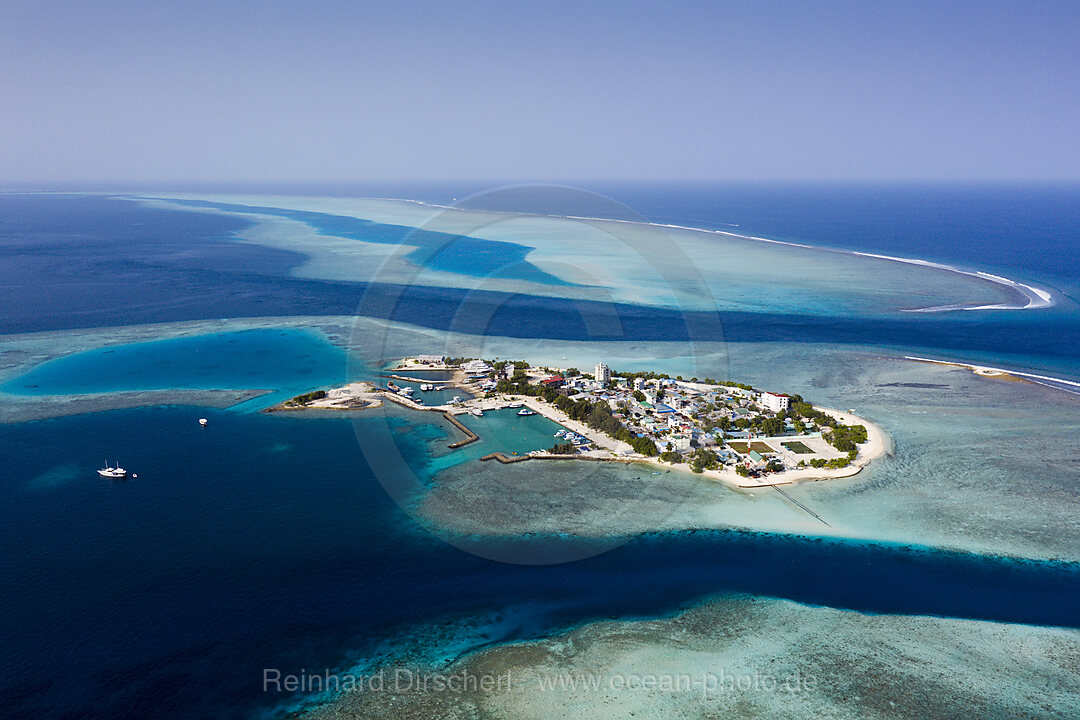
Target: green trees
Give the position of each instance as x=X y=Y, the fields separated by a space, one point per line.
x=704 y=459
x=835 y=463
x=846 y=437
x=562 y=449
x=639 y=396
x=598 y=415
x=307 y=397
x=742 y=471
x=670 y=456
x=772 y=426
x=645 y=446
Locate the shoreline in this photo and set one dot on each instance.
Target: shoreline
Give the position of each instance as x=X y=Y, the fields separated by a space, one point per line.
x=995 y=373
x=1033 y=297
x=1037 y=298
x=878 y=442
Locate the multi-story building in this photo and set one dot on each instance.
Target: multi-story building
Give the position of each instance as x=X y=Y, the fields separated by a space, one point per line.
x=603 y=375
x=775 y=402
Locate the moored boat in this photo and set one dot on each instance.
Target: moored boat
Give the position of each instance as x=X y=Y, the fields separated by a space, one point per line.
x=113 y=473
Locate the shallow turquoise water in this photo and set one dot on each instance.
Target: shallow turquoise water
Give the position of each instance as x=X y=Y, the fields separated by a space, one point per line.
x=506 y=431
x=284 y=360
x=264 y=540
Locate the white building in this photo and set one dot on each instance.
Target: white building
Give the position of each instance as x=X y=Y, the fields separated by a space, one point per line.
x=474 y=367
x=603 y=375
x=681 y=442
x=639 y=383
x=775 y=402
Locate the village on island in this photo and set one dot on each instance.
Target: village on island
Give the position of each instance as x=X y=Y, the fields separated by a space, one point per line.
x=724 y=430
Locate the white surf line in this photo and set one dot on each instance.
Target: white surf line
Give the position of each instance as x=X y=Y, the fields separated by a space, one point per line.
x=1046 y=380
x=1036 y=297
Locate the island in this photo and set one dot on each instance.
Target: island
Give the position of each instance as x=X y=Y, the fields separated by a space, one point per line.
x=727 y=431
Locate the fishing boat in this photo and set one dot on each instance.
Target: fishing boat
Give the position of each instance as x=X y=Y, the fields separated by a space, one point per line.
x=203 y=421
x=113 y=473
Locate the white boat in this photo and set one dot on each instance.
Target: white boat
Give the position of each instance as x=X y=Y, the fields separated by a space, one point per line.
x=203 y=421
x=456 y=399
x=477 y=412
x=516 y=405
x=113 y=473
x=425 y=387
x=526 y=411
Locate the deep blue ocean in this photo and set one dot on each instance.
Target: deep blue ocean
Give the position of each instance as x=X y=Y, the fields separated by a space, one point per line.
x=266 y=541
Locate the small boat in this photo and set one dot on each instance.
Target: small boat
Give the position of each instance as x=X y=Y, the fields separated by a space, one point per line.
x=439 y=388
x=516 y=405
x=526 y=411
x=477 y=412
x=455 y=400
x=426 y=387
x=113 y=473
x=203 y=421
x=561 y=433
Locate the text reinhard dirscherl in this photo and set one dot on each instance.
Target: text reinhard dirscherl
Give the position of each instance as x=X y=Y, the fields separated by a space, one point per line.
x=405 y=680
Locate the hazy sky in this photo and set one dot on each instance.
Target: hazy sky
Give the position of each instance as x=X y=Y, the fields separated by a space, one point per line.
x=335 y=91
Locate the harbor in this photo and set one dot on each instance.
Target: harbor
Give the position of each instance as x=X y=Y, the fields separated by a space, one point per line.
x=725 y=432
